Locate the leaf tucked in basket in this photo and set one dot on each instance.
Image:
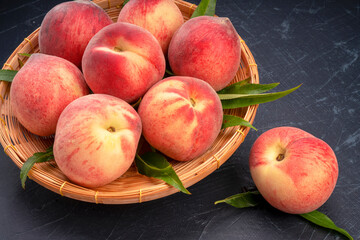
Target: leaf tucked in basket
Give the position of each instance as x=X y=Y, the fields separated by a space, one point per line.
x=169 y=72
x=235 y=100
x=205 y=7
x=7 y=75
x=21 y=63
x=243 y=94
x=252 y=199
x=137 y=103
x=244 y=87
x=25 y=54
x=230 y=121
x=154 y=164
x=38 y=157
x=125 y=2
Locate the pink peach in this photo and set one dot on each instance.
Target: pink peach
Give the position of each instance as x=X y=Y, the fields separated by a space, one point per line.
x=160 y=17
x=68 y=27
x=181 y=117
x=123 y=60
x=293 y=170
x=96 y=139
x=41 y=90
x=207 y=48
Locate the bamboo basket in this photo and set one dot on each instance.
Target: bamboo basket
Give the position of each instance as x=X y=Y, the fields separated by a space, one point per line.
x=19 y=144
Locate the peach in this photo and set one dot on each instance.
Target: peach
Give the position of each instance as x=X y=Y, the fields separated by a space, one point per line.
x=68 y=27
x=207 y=48
x=123 y=60
x=293 y=170
x=181 y=117
x=41 y=90
x=96 y=139
x=160 y=17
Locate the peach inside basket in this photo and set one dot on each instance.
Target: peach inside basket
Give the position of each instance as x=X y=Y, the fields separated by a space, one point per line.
x=19 y=144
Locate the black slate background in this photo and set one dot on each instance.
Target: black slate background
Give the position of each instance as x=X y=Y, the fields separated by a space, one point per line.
x=316 y=43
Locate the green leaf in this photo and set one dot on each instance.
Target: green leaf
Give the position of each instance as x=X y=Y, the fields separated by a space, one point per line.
x=154 y=164
x=137 y=103
x=36 y=158
x=7 y=75
x=21 y=64
x=249 y=88
x=243 y=82
x=169 y=72
x=243 y=200
x=322 y=220
x=25 y=54
x=125 y=2
x=230 y=121
x=254 y=198
x=205 y=8
x=230 y=101
x=240 y=83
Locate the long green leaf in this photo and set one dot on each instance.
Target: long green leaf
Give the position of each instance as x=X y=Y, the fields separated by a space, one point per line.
x=36 y=158
x=322 y=220
x=205 y=8
x=250 y=88
x=154 y=164
x=125 y=2
x=242 y=82
x=230 y=121
x=21 y=63
x=7 y=75
x=230 y=101
x=137 y=103
x=25 y=54
x=252 y=199
x=239 y=84
x=243 y=200
x=169 y=72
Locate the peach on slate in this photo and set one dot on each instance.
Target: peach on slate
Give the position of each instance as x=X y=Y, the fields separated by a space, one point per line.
x=41 y=90
x=293 y=170
x=68 y=27
x=181 y=117
x=207 y=48
x=123 y=60
x=96 y=139
x=160 y=17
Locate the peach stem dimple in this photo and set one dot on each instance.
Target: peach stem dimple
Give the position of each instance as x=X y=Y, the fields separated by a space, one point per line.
x=280 y=157
x=192 y=101
x=111 y=129
x=117 y=49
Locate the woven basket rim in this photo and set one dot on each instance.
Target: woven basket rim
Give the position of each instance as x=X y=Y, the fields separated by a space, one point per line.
x=19 y=144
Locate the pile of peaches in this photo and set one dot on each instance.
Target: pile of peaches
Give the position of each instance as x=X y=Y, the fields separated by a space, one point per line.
x=90 y=70
x=99 y=86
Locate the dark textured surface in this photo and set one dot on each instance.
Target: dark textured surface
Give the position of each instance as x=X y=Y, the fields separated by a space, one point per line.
x=316 y=43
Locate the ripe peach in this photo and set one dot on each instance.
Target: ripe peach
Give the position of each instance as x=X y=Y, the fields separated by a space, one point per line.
x=68 y=27
x=41 y=90
x=207 y=48
x=293 y=170
x=96 y=139
x=160 y=17
x=123 y=60
x=181 y=117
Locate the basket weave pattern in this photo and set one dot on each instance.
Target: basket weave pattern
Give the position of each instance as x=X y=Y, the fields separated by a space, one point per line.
x=19 y=144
